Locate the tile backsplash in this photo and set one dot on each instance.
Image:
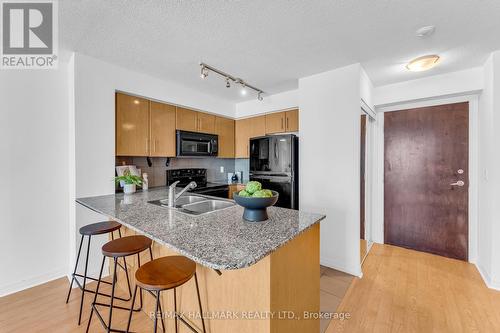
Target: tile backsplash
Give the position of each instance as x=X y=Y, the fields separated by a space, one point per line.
x=156 y=173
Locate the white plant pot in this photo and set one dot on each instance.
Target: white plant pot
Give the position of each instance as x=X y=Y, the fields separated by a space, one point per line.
x=129 y=188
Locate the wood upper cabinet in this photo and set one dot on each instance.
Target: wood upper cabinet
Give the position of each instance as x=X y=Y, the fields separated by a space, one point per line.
x=292 y=120
x=206 y=123
x=279 y=122
x=132 y=126
x=162 y=122
x=275 y=122
x=194 y=121
x=246 y=129
x=258 y=126
x=242 y=137
x=187 y=120
x=224 y=128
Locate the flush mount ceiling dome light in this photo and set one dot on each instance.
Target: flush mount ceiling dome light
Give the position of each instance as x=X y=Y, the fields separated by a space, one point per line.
x=423 y=63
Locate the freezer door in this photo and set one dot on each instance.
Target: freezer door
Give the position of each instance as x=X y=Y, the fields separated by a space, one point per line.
x=282 y=185
x=259 y=155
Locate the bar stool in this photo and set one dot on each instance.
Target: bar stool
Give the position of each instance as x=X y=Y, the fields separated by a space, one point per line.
x=118 y=248
x=163 y=274
x=90 y=230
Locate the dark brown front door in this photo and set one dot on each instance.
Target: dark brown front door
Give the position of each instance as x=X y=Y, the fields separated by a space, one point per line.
x=426 y=179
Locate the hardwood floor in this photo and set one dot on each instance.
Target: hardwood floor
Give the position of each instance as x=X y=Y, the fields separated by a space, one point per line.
x=409 y=291
x=43 y=309
x=333 y=286
x=401 y=291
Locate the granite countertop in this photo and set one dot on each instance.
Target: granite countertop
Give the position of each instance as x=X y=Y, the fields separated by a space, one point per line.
x=220 y=240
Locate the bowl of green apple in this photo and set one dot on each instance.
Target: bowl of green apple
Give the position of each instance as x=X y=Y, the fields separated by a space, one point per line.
x=255 y=200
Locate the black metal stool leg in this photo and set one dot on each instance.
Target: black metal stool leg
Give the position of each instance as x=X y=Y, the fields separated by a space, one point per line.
x=157 y=308
x=131 y=310
x=74 y=271
x=112 y=293
x=161 y=316
x=128 y=279
x=140 y=289
x=96 y=293
x=84 y=281
x=199 y=302
x=175 y=311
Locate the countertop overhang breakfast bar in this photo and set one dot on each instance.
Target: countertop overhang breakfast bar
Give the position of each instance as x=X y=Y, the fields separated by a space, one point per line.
x=254 y=276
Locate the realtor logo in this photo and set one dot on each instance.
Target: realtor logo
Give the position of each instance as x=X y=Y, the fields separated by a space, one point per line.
x=29 y=35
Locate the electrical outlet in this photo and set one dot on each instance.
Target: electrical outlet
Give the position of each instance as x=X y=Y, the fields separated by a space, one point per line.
x=221 y=169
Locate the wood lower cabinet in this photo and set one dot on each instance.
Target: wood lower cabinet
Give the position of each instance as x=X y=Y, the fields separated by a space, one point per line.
x=132 y=126
x=162 y=124
x=206 y=123
x=235 y=188
x=187 y=120
x=224 y=128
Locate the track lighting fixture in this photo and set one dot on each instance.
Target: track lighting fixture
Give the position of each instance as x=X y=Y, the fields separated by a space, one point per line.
x=204 y=72
x=206 y=68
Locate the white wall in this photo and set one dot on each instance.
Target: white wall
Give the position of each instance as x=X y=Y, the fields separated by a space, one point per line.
x=329 y=161
x=467 y=81
x=281 y=101
x=366 y=89
x=95 y=85
x=489 y=179
x=34 y=167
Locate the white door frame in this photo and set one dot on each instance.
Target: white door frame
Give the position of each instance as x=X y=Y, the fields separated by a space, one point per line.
x=378 y=186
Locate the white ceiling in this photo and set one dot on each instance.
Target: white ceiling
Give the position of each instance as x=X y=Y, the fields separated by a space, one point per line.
x=271 y=44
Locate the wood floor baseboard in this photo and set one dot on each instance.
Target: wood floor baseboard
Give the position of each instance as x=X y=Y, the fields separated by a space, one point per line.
x=33 y=281
x=487 y=279
x=334 y=264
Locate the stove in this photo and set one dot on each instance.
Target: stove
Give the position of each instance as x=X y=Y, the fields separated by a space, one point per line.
x=198 y=175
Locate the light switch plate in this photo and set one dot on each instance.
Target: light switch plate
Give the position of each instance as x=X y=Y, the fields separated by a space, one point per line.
x=221 y=169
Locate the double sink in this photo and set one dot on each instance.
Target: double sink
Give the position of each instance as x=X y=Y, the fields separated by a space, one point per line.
x=195 y=205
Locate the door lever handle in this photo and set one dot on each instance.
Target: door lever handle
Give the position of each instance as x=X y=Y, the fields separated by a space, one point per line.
x=458 y=183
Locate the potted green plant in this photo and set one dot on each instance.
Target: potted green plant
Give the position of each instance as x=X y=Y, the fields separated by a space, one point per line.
x=129 y=182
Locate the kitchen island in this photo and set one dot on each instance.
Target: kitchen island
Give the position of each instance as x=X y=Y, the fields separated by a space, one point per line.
x=254 y=276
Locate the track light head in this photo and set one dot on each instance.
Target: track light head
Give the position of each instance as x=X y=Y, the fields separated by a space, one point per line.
x=204 y=72
x=228 y=84
x=259 y=96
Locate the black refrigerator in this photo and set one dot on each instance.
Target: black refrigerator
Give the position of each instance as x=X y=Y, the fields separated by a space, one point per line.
x=274 y=161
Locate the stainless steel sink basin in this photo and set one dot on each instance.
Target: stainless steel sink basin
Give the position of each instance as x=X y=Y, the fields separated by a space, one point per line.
x=184 y=200
x=206 y=206
x=195 y=205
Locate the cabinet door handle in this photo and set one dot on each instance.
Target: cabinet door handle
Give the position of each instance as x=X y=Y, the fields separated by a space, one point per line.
x=286 y=122
x=281 y=123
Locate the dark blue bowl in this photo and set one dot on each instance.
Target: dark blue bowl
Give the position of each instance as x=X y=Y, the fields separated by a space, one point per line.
x=255 y=208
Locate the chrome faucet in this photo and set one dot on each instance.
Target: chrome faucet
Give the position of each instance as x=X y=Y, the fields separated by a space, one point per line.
x=172 y=197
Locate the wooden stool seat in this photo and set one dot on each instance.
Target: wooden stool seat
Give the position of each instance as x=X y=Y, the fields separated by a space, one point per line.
x=126 y=246
x=165 y=273
x=99 y=228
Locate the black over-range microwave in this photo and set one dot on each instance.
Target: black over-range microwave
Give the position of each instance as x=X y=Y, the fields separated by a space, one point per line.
x=196 y=144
